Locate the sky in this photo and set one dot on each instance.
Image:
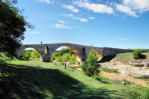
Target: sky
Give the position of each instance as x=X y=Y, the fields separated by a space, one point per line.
x=102 y=23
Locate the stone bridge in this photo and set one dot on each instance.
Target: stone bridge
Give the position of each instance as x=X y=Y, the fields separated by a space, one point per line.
x=81 y=51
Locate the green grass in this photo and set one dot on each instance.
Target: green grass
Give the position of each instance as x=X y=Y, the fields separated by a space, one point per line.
x=109 y=70
x=127 y=57
x=38 y=80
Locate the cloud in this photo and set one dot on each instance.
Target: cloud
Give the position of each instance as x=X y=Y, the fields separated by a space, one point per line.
x=130 y=7
x=61 y=21
x=46 y=1
x=133 y=7
x=96 y=8
x=69 y=15
x=91 y=18
x=81 y=19
x=126 y=9
x=140 y=5
x=61 y=25
x=71 y=8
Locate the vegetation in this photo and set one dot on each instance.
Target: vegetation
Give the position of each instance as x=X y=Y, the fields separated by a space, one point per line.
x=109 y=70
x=28 y=55
x=127 y=57
x=64 y=55
x=91 y=67
x=4 y=57
x=38 y=80
x=137 y=54
x=142 y=50
x=12 y=27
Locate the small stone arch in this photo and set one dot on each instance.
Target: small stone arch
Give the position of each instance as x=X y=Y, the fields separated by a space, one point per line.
x=84 y=51
x=19 y=52
x=46 y=50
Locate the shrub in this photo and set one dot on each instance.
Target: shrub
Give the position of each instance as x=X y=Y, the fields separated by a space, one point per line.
x=4 y=57
x=91 y=67
x=138 y=55
x=146 y=94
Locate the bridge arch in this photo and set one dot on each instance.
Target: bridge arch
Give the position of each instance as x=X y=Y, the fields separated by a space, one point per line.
x=98 y=53
x=46 y=50
x=22 y=49
x=74 y=50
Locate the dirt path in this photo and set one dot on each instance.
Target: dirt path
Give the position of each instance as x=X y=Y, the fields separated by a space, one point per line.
x=122 y=77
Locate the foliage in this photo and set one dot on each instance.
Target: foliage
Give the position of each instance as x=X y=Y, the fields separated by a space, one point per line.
x=26 y=54
x=146 y=93
x=12 y=27
x=30 y=55
x=35 y=55
x=142 y=50
x=91 y=67
x=64 y=55
x=138 y=54
x=4 y=57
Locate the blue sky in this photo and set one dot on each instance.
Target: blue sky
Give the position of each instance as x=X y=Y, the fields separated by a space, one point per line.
x=105 y=23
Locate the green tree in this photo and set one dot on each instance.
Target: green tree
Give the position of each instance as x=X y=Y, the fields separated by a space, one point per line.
x=91 y=67
x=26 y=54
x=12 y=27
x=35 y=55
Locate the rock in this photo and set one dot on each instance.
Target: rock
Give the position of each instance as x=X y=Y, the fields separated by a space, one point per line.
x=145 y=64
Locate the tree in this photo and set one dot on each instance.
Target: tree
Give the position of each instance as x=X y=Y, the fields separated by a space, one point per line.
x=12 y=27
x=26 y=54
x=35 y=55
x=91 y=67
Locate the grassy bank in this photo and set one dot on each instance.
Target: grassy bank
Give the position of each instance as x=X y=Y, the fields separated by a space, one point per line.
x=38 y=80
x=127 y=57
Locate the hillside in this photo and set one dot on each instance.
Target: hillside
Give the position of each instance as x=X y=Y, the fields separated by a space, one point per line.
x=126 y=58
x=38 y=80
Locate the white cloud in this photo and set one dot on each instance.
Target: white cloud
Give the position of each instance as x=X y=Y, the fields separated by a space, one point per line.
x=61 y=26
x=140 y=5
x=61 y=21
x=133 y=7
x=91 y=18
x=81 y=19
x=69 y=15
x=126 y=9
x=46 y=1
x=96 y=8
x=71 y=8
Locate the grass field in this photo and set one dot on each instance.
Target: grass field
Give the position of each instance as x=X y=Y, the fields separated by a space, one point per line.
x=38 y=80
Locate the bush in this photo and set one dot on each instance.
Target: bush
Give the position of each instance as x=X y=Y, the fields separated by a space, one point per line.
x=138 y=55
x=64 y=55
x=91 y=67
x=146 y=94
x=4 y=57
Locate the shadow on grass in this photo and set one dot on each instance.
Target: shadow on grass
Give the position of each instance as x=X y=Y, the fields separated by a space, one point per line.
x=38 y=83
